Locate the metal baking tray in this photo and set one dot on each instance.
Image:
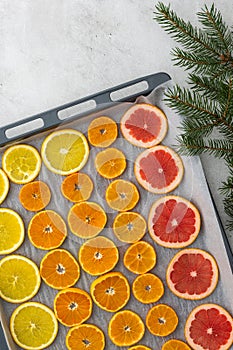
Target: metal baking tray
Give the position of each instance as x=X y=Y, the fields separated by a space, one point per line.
x=78 y=114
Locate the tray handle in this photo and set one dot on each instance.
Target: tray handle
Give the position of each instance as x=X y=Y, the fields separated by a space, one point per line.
x=102 y=100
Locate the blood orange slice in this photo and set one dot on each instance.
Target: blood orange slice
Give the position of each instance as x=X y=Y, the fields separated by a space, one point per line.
x=192 y=274
x=159 y=169
x=144 y=125
x=174 y=222
x=209 y=326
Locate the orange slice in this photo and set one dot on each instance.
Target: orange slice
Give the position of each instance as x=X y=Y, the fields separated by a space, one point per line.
x=4 y=186
x=139 y=347
x=174 y=222
x=59 y=269
x=209 y=326
x=111 y=292
x=159 y=169
x=174 y=344
x=192 y=274
x=140 y=257
x=47 y=230
x=110 y=163
x=98 y=255
x=21 y=163
x=86 y=219
x=125 y=328
x=102 y=132
x=161 y=320
x=77 y=187
x=147 y=288
x=122 y=195
x=144 y=125
x=72 y=306
x=85 y=336
x=129 y=227
x=35 y=196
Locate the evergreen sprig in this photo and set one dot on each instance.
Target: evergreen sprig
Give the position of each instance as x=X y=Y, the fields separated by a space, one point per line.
x=207 y=104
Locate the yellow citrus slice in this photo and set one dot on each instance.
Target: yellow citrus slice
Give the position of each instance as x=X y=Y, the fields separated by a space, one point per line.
x=72 y=306
x=175 y=344
x=122 y=195
x=77 y=187
x=140 y=257
x=21 y=163
x=86 y=219
x=65 y=151
x=161 y=320
x=4 y=186
x=33 y=326
x=125 y=328
x=111 y=292
x=139 y=347
x=110 y=163
x=102 y=132
x=19 y=278
x=11 y=231
x=129 y=227
x=85 y=336
x=59 y=269
x=147 y=288
x=98 y=255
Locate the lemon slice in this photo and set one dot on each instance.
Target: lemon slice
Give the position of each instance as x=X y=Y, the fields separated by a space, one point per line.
x=11 y=231
x=65 y=151
x=19 y=278
x=21 y=163
x=4 y=186
x=33 y=326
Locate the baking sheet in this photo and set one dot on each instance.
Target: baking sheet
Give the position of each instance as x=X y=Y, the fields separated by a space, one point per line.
x=192 y=187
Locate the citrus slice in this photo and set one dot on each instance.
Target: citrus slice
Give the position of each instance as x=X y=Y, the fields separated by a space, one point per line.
x=192 y=274
x=144 y=125
x=102 y=132
x=4 y=186
x=159 y=169
x=65 y=151
x=140 y=257
x=98 y=255
x=139 y=347
x=125 y=328
x=174 y=222
x=33 y=326
x=11 y=231
x=85 y=336
x=147 y=288
x=111 y=292
x=122 y=195
x=35 y=195
x=21 y=163
x=161 y=320
x=110 y=163
x=209 y=326
x=72 y=306
x=47 y=230
x=77 y=187
x=174 y=344
x=129 y=227
x=19 y=278
x=86 y=219
x=59 y=269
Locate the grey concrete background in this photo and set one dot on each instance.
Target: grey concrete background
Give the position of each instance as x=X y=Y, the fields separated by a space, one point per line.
x=56 y=51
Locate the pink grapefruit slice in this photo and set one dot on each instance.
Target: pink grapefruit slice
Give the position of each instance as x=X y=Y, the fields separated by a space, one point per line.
x=192 y=274
x=144 y=125
x=209 y=326
x=174 y=222
x=159 y=169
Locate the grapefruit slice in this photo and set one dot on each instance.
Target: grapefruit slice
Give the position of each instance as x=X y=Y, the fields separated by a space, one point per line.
x=192 y=274
x=209 y=326
x=144 y=125
x=174 y=222
x=159 y=169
